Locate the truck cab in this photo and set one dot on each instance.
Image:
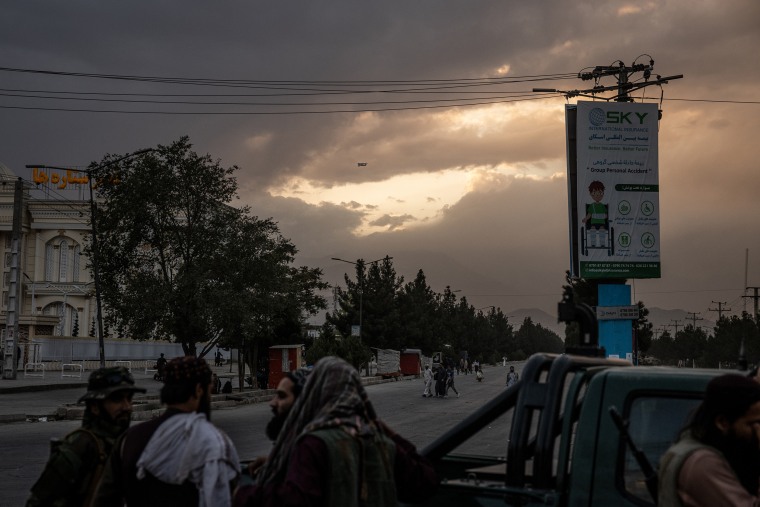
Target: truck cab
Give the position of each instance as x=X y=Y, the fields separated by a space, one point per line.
x=552 y=438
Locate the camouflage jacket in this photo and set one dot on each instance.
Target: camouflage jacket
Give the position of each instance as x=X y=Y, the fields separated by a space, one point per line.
x=71 y=473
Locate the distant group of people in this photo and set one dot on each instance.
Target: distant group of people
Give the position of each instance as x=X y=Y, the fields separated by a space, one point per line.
x=438 y=382
x=329 y=448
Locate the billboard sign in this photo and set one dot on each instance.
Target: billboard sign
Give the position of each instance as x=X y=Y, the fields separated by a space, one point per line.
x=617 y=207
x=58 y=183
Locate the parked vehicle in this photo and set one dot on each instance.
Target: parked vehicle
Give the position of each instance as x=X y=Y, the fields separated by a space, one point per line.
x=576 y=429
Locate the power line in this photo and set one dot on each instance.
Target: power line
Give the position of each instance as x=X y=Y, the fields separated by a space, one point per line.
x=247 y=113
x=456 y=90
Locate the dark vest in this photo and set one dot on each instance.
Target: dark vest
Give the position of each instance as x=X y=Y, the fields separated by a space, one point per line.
x=670 y=468
x=361 y=469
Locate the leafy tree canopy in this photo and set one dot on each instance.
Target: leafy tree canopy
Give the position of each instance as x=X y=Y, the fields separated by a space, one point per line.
x=177 y=261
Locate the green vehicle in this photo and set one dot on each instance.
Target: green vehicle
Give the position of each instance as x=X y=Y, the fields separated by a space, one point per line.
x=576 y=429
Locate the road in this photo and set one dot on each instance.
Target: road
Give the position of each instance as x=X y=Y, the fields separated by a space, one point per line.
x=24 y=447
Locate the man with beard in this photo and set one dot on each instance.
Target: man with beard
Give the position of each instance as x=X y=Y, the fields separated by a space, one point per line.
x=334 y=451
x=76 y=463
x=717 y=459
x=288 y=390
x=179 y=458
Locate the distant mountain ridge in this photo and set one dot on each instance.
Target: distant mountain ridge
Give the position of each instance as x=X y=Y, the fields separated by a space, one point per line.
x=659 y=317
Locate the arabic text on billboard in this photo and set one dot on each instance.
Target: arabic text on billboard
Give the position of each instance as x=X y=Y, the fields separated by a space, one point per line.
x=618 y=190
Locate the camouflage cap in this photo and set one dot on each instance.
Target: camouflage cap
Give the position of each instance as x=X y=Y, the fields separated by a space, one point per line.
x=105 y=381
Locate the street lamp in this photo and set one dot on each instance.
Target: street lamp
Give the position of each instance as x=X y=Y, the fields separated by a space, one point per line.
x=95 y=251
x=361 y=290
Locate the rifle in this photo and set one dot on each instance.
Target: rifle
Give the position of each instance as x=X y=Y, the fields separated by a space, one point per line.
x=650 y=475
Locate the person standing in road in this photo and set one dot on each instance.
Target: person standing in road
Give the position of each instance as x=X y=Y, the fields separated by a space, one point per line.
x=178 y=459
x=439 y=377
x=334 y=451
x=428 y=377
x=450 y=381
x=160 y=364
x=76 y=463
x=716 y=461
x=512 y=377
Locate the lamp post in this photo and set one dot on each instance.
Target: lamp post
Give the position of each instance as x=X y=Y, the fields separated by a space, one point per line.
x=361 y=290
x=95 y=251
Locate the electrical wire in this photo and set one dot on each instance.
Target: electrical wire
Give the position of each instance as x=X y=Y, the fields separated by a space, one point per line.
x=456 y=91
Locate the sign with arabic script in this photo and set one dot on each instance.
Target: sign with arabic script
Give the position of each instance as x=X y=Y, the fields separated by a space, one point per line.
x=618 y=206
x=58 y=183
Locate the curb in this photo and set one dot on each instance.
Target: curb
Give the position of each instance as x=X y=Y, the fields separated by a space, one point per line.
x=41 y=387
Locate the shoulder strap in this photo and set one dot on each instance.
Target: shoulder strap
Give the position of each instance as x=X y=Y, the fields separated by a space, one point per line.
x=102 y=457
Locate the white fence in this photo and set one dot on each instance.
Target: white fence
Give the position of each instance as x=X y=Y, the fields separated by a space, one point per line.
x=71 y=370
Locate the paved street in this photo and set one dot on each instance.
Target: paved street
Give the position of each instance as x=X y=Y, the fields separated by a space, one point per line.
x=24 y=446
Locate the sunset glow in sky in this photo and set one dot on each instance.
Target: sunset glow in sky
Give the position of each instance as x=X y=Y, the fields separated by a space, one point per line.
x=465 y=165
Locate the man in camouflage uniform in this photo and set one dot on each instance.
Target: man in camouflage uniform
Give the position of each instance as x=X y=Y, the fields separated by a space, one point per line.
x=76 y=463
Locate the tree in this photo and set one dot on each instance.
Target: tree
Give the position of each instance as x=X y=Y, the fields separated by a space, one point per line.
x=370 y=301
x=261 y=298
x=416 y=310
x=731 y=335
x=532 y=338
x=178 y=262
x=331 y=343
x=643 y=329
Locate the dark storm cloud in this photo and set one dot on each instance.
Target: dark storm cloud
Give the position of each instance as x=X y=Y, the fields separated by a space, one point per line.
x=392 y=222
x=487 y=243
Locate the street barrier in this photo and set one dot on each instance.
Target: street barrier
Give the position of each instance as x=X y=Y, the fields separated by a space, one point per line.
x=37 y=370
x=71 y=370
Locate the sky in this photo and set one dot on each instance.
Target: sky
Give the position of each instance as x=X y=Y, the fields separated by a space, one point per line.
x=409 y=129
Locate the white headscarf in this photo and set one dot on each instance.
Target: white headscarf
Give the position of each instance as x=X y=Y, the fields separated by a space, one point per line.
x=188 y=447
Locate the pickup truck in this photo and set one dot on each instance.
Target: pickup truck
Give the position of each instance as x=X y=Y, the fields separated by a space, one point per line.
x=576 y=429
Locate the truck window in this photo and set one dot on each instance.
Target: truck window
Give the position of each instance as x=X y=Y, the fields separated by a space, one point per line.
x=654 y=424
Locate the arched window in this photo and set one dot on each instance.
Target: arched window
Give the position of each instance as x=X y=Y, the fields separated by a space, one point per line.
x=76 y=253
x=66 y=318
x=62 y=260
x=63 y=263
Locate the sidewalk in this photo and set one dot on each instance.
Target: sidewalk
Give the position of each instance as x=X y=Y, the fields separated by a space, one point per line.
x=55 y=396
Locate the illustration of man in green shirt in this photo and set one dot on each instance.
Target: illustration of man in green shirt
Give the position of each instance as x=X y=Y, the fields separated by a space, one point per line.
x=596 y=219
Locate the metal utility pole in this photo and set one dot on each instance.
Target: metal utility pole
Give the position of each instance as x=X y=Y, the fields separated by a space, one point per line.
x=755 y=297
x=11 y=348
x=720 y=309
x=624 y=86
x=675 y=324
x=694 y=318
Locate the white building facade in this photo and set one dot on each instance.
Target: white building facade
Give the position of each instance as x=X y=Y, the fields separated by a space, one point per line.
x=57 y=317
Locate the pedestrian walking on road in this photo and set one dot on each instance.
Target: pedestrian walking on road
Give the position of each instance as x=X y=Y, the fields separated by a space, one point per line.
x=440 y=382
x=450 y=382
x=76 y=463
x=428 y=377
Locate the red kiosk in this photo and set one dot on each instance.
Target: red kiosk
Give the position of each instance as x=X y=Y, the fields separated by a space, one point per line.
x=282 y=359
x=411 y=361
